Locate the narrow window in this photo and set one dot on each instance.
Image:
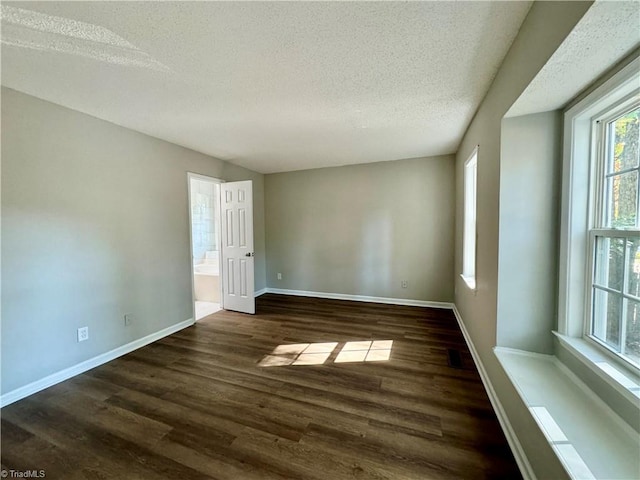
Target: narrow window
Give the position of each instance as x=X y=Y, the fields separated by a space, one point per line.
x=469 y=233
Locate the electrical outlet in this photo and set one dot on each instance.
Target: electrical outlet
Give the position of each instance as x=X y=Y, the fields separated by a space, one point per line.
x=404 y=284
x=127 y=319
x=83 y=334
x=279 y=276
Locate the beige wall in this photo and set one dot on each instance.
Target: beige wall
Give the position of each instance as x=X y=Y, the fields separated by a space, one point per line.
x=544 y=29
x=362 y=229
x=94 y=225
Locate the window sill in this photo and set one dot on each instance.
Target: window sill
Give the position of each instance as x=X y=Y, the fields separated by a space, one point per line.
x=591 y=441
x=618 y=377
x=470 y=281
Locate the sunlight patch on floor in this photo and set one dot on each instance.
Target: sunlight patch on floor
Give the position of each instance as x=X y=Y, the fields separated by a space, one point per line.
x=319 y=353
x=376 y=351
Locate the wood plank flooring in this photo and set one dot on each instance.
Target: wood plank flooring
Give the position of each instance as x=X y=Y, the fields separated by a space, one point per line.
x=199 y=405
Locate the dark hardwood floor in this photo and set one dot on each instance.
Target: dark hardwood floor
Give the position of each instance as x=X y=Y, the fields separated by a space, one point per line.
x=221 y=400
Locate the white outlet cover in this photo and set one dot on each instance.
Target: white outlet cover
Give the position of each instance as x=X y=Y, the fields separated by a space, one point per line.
x=83 y=334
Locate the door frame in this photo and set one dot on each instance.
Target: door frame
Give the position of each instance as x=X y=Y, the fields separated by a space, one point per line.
x=198 y=176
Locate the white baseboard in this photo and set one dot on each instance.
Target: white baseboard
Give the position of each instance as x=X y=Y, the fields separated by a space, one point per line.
x=360 y=298
x=62 y=375
x=512 y=439
x=260 y=292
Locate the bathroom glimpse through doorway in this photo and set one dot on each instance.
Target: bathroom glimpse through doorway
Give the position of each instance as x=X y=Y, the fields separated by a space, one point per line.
x=204 y=220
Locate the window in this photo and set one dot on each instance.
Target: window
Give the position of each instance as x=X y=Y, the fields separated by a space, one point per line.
x=614 y=299
x=599 y=295
x=469 y=232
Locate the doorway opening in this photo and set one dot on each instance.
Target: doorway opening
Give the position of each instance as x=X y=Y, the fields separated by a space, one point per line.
x=204 y=216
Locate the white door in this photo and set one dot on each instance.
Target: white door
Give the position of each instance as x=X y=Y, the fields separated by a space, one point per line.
x=236 y=205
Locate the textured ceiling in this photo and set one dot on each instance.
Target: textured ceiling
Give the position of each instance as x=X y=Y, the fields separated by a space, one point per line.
x=605 y=35
x=273 y=86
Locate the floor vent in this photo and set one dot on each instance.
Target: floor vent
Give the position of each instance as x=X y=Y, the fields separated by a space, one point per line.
x=454 y=358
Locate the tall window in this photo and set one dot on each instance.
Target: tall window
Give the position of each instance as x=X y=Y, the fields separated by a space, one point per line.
x=614 y=300
x=469 y=232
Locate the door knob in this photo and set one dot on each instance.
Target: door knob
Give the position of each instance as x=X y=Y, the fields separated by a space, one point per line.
x=249 y=254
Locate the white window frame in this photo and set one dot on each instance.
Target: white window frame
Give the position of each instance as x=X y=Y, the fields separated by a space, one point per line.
x=582 y=207
x=602 y=223
x=469 y=235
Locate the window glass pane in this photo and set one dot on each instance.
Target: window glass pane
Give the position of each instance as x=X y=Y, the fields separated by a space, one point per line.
x=609 y=262
x=469 y=232
x=607 y=311
x=633 y=266
x=622 y=203
x=624 y=133
x=632 y=343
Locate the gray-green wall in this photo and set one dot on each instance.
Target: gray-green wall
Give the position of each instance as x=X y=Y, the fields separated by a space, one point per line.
x=544 y=29
x=530 y=170
x=363 y=229
x=94 y=225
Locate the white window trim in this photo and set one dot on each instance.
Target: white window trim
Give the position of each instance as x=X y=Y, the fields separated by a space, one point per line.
x=469 y=272
x=598 y=218
x=578 y=202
